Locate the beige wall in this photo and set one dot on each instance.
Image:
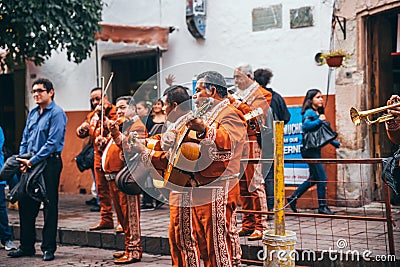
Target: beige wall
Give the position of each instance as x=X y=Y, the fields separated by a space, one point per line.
x=352 y=90
x=72 y=180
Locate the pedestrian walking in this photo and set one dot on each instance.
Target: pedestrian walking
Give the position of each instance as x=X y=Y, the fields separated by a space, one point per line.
x=313 y=117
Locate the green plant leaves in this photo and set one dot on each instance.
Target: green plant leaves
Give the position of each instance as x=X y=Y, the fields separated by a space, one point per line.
x=31 y=30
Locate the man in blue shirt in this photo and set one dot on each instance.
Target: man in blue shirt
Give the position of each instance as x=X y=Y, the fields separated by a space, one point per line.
x=44 y=137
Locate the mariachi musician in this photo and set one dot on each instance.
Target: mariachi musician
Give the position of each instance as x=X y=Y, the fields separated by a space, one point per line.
x=212 y=189
x=155 y=155
x=223 y=133
x=252 y=191
x=92 y=126
x=126 y=206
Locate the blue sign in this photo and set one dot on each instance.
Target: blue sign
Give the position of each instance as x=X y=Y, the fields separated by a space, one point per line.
x=294 y=173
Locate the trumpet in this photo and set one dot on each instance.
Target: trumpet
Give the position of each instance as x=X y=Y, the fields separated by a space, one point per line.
x=356 y=116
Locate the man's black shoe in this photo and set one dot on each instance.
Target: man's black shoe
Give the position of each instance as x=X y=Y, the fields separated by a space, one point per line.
x=19 y=253
x=95 y=208
x=92 y=202
x=48 y=256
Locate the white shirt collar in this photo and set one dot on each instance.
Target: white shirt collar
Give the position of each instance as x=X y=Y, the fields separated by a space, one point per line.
x=243 y=93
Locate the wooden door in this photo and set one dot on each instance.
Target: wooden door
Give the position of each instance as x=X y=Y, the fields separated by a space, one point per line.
x=381 y=83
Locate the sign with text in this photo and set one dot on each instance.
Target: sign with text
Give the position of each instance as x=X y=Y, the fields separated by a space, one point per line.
x=294 y=173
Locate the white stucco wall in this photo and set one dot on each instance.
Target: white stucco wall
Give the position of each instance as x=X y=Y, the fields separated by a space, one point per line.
x=229 y=40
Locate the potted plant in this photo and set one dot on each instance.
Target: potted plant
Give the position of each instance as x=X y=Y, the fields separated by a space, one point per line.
x=335 y=57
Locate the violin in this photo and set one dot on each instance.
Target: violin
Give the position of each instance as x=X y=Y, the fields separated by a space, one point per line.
x=120 y=120
x=117 y=124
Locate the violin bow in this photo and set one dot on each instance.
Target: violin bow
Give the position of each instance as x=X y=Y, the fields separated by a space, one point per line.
x=103 y=93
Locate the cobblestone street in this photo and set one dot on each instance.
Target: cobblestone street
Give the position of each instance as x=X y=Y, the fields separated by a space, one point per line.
x=80 y=247
x=78 y=256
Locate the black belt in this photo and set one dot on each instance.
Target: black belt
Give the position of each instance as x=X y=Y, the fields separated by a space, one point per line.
x=55 y=155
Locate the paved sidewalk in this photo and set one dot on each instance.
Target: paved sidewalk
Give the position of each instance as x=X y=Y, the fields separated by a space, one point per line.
x=75 y=220
x=95 y=247
x=79 y=257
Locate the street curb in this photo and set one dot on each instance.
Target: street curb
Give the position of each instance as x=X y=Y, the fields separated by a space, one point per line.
x=102 y=239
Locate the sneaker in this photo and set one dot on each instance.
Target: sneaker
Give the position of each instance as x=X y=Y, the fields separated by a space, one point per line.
x=9 y=245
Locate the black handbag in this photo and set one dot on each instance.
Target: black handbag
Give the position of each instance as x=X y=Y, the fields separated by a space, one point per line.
x=319 y=138
x=391 y=172
x=85 y=159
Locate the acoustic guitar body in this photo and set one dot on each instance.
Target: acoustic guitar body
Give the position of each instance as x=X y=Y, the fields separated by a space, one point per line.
x=186 y=159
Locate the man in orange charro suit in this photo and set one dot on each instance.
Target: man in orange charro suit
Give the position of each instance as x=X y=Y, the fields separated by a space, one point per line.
x=252 y=190
x=212 y=189
x=92 y=127
x=126 y=206
x=223 y=135
x=183 y=245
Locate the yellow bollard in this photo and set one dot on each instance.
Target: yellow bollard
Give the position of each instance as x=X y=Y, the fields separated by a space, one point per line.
x=279 y=250
x=279 y=243
x=279 y=183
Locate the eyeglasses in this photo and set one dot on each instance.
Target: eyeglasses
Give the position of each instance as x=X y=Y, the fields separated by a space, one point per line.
x=95 y=99
x=38 y=91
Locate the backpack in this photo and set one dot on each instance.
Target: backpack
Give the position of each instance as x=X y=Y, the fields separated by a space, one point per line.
x=391 y=172
x=85 y=159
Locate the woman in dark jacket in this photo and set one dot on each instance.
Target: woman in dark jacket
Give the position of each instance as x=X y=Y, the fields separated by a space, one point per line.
x=313 y=116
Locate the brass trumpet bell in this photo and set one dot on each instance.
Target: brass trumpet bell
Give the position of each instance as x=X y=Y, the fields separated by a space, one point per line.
x=356 y=115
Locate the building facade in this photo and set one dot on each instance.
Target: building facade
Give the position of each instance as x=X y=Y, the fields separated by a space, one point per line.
x=144 y=41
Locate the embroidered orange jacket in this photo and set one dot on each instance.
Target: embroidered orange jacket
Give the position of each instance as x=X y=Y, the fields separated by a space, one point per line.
x=221 y=147
x=228 y=133
x=94 y=129
x=113 y=159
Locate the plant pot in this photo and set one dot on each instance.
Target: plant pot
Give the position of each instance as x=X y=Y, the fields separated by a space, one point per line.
x=335 y=61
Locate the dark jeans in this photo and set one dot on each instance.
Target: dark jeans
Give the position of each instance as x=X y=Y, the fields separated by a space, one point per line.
x=13 y=182
x=29 y=209
x=5 y=230
x=269 y=187
x=317 y=176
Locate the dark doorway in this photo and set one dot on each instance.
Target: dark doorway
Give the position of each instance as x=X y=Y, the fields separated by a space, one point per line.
x=384 y=73
x=133 y=72
x=384 y=81
x=12 y=109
